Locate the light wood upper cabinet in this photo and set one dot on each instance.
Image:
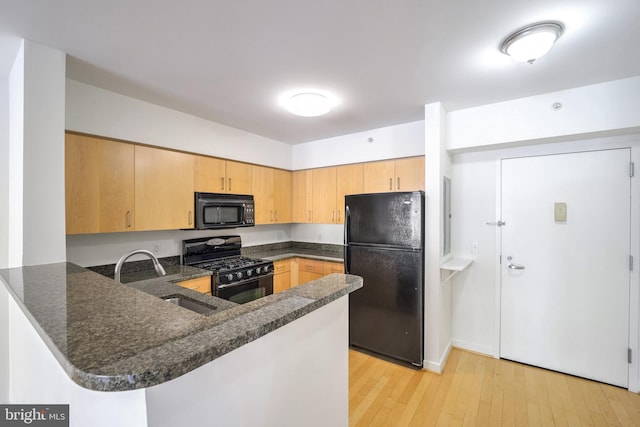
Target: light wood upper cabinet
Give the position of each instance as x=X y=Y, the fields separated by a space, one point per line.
x=323 y=206
x=99 y=185
x=212 y=175
x=209 y=174
x=302 y=196
x=349 y=180
x=239 y=177
x=163 y=189
x=262 y=185
x=378 y=176
x=271 y=195
x=409 y=174
x=394 y=175
x=282 y=195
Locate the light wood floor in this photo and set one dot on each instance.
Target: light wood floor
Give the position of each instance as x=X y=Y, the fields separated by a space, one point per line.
x=476 y=390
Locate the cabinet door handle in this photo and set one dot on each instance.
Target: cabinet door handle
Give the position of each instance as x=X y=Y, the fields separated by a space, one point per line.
x=229 y=184
x=190 y=217
x=222 y=183
x=271 y=212
x=390 y=184
x=338 y=215
x=276 y=215
x=333 y=216
x=309 y=216
x=398 y=183
x=128 y=219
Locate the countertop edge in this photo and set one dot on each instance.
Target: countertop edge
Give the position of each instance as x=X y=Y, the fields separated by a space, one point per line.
x=314 y=292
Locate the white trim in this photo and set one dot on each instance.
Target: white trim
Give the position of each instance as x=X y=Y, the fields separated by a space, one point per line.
x=497 y=263
x=474 y=347
x=438 y=367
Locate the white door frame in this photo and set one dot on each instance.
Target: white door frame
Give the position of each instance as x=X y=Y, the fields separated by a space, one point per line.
x=632 y=142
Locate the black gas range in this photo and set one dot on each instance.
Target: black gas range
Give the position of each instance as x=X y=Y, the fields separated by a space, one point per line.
x=235 y=277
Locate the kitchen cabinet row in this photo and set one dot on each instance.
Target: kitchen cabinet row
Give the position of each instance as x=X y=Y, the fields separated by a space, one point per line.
x=114 y=186
x=318 y=194
x=297 y=271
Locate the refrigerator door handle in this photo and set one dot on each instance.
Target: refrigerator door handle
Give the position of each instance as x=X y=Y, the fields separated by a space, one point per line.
x=347 y=218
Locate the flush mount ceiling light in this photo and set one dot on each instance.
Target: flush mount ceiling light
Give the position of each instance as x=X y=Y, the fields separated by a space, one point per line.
x=308 y=102
x=531 y=42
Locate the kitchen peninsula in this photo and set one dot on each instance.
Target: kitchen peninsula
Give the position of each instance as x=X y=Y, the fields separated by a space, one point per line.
x=120 y=355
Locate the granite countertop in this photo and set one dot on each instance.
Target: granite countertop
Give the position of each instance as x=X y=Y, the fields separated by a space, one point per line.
x=110 y=336
x=279 y=252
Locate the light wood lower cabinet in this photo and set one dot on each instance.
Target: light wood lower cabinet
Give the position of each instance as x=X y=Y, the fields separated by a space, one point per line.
x=332 y=267
x=281 y=275
x=309 y=269
x=201 y=284
x=297 y=271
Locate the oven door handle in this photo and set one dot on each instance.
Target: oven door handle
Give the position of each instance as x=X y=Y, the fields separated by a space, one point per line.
x=242 y=282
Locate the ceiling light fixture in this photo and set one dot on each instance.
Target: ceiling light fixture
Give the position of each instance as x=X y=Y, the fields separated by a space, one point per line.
x=531 y=42
x=308 y=102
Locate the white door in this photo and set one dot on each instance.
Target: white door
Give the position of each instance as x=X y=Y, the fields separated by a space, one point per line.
x=567 y=223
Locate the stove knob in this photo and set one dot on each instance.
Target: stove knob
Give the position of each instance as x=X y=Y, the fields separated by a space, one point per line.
x=229 y=277
x=249 y=273
x=259 y=270
x=239 y=274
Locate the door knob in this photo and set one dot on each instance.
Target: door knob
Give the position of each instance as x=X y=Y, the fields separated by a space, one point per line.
x=513 y=266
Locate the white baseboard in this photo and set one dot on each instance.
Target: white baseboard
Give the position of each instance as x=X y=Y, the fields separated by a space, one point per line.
x=472 y=346
x=438 y=367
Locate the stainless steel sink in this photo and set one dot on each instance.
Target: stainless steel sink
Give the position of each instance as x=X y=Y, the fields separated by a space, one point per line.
x=190 y=304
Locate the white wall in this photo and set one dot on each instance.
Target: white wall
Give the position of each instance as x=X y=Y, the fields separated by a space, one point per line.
x=389 y=142
x=16 y=136
x=43 y=144
x=98 y=249
x=297 y=375
x=595 y=110
x=100 y=112
x=4 y=171
x=9 y=49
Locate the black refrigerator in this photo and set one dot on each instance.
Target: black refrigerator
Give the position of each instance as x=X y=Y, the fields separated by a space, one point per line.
x=384 y=244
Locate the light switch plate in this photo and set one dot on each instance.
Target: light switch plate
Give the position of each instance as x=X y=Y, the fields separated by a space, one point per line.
x=560 y=212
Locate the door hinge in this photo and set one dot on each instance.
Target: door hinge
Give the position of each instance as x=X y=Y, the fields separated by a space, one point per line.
x=630 y=262
x=629 y=355
x=632 y=169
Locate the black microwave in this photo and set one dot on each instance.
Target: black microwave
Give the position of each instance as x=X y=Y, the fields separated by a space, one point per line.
x=215 y=210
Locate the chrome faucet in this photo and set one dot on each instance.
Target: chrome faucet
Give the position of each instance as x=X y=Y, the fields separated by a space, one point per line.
x=156 y=264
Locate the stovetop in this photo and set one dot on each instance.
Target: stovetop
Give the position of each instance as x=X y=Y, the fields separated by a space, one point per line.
x=231 y=263
x=221 y=255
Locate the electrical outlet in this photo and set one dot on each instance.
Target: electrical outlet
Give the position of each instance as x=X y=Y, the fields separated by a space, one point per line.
x=475 y=247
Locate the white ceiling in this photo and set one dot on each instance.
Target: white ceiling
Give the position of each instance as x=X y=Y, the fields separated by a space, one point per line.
x=227 y=61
